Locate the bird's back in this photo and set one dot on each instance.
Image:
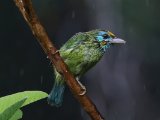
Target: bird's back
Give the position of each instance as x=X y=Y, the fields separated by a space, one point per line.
x=80 y=53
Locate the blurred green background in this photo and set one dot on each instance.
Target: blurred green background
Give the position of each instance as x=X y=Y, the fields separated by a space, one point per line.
x=124 y=85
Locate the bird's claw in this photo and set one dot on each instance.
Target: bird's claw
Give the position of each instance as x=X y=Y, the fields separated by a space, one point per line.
x=83 y=88
x=49 y=55
x=56 y=52
x=84 y=91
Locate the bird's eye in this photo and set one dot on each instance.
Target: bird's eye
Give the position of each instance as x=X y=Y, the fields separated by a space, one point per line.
x=105 y=36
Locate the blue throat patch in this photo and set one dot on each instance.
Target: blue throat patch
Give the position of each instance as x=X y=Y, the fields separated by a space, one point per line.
x=105 y=47
x=100 y=38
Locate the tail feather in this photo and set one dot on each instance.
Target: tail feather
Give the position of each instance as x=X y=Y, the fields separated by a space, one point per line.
x=55 y=97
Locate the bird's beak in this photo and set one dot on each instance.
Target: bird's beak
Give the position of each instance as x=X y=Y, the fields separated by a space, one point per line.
x=117 y=40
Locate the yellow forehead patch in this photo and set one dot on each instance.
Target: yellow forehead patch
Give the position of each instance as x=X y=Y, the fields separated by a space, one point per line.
x=111 y=34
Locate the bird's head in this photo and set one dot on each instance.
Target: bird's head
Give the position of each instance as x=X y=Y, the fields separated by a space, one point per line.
x=106 y=39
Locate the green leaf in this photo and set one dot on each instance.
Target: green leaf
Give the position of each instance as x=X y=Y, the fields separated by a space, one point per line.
x=11 y=103
x=11 y=110
x=31 y=96
x=18 y=115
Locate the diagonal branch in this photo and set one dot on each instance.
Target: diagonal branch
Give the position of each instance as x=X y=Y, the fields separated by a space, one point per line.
x=27 y=10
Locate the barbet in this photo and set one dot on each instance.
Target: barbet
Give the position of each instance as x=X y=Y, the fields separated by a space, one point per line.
x=80 y=53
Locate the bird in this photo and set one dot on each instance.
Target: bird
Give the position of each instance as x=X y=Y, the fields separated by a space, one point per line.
x=81 y=52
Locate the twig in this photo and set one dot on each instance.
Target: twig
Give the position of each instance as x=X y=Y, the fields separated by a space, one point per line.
x=28 y=12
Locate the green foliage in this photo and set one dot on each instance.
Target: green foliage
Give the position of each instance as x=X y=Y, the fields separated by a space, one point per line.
x=10 y=110
x=18 y=115
x=9 y=105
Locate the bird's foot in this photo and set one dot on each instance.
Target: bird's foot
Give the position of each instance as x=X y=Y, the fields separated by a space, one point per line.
x=57 y=51
x=49 y=56
x=83 y=92
x=83 y=88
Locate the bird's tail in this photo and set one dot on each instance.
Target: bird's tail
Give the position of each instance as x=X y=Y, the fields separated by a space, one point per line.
x=55 y=97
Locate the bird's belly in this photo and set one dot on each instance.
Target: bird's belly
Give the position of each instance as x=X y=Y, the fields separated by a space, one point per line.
x=79 y=62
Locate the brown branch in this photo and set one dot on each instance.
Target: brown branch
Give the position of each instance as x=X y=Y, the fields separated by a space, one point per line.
x=26 y=8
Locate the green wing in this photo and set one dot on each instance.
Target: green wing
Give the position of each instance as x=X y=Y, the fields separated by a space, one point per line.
x=80 y=53
x=73 y=42
x=73 y=53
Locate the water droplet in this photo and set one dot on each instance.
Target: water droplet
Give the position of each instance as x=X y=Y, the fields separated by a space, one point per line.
x=144 y=87
x=73 y=14
x=21 y=72
x=21 y=1
x=147 y=3
x=41 y=79
x=93 y=6
x=131 y=30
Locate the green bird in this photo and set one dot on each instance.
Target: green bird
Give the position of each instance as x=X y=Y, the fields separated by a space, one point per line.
x=81 y=53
